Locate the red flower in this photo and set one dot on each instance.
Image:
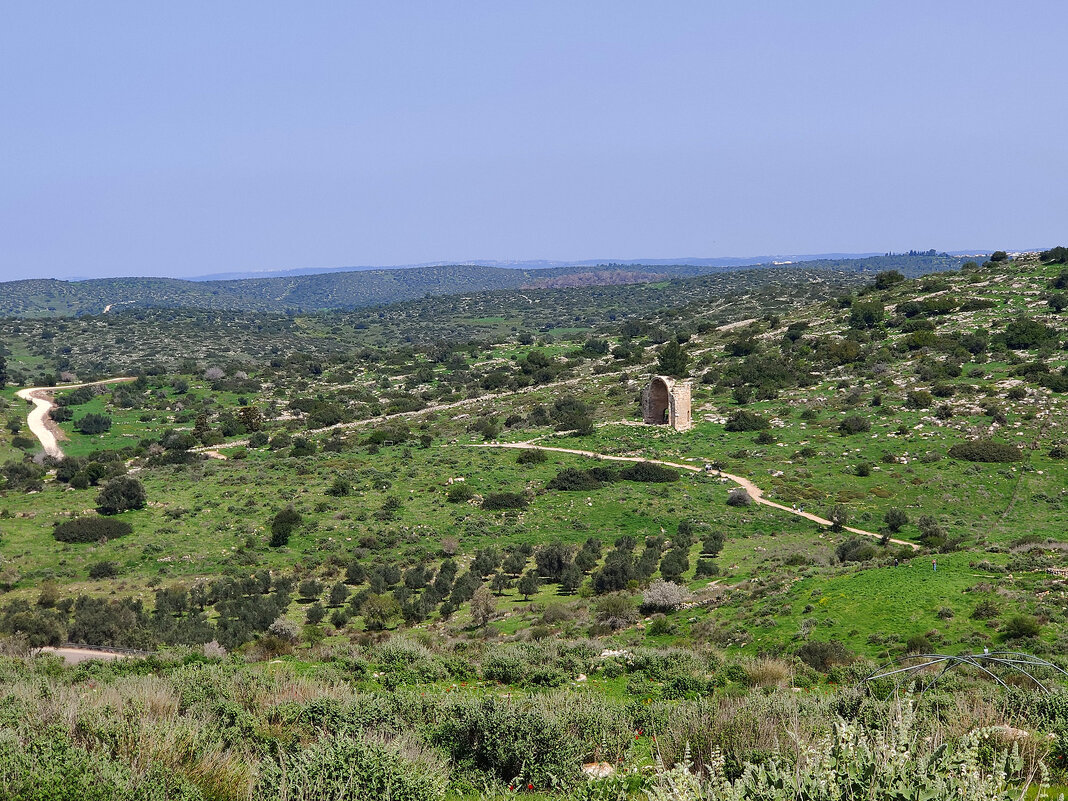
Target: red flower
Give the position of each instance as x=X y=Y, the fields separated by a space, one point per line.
x=530 y=786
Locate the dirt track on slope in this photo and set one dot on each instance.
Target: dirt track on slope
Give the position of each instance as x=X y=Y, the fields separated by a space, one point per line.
x=39 y=421
x=754 y=491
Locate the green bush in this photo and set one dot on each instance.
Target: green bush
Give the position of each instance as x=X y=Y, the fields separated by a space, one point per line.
x=531 y=456
x=459 y=493
x=357 y=768
x=93 y=424
x=91 y=529
x=649 y=472
x=854 y=424
x=572 y=480
x=822 y=656
x=282 y=526
x=120 y=495
x=986 y=450
x=498 y=501
x=744 y=420
x=1021 y=626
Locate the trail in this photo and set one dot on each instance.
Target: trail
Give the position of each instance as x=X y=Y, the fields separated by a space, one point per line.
x=403 y=415
x=754 y=491
x=74 y=655
x=39 y=421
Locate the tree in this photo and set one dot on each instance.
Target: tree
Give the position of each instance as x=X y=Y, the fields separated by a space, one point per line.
x=379 y=611
x=713 y=543
x=895 y=519
x=500 y=582
x=3 y=371
x=93 y=424
x=483 y=606
x=528 y=585
x=121 y=494
x=315 y=614
x=673 y=360
x=571 y=578
x=338 y=593
x=839 y=517
x=282 y=526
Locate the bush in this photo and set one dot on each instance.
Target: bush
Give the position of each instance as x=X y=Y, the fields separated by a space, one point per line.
x=103 y=570
x=744 y=420
x=649 y=472
x=822 y=656
x=985 y=610
x=91 y=529
x=986 y=450
x=664 y=596
x=93 y=424
x=459 y=493
x=895 y=519
x=531 y=456
x=1020 y=626
x=739 y=497
x=854 y=424
x=121 y=494
x=282 y=526
x=497 y=501
x=572 y=480
x=346 y=767
x=856 y=549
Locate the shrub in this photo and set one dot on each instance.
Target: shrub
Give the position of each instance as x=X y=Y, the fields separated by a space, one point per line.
x=664 y=596
x=282 y=526
x=347 y=767
x=531 y=456
x=497 y=501
x=767 y=673
x=615 y=611
x=856 y=549
x=895 y=519
x=121 y=494
x=739 y=497
x=93 y=424
x=459 y=493
x=822 y=656
x=745 y=420
x=572 y=480
x=103 y=570
x=917 y=644
x=985 y=610
x=649 y=473
x=91 y=529
x=1020 y=626
x=854 y=424
x=986 y=450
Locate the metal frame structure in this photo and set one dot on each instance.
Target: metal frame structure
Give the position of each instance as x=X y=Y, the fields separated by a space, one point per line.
x=1013 y=660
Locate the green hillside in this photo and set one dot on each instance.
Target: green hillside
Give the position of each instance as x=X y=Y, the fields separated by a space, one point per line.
x=355 y=289
x=338 y=558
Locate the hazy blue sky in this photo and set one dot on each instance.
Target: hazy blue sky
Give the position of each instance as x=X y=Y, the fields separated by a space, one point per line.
x=187 y=138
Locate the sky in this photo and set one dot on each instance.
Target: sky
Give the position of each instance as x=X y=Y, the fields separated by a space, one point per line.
x=183 y=139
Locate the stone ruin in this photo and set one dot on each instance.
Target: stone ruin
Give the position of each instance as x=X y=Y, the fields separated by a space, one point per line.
x=666 y=401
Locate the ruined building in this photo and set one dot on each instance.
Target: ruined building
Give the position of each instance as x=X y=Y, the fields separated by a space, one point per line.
x=666 y=401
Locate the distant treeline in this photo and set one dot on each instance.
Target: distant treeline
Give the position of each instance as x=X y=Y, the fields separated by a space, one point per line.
x=350 y=290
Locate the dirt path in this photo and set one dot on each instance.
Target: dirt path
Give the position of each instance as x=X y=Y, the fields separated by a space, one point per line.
x=444 y=407
x=39 y=421
x=754 y=491
x=72 y=656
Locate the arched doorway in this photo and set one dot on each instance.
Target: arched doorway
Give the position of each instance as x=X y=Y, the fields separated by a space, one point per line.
x=657 y=402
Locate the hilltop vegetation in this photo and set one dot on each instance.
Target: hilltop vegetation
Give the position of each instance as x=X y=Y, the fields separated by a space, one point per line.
x=350 y=290
x=367 y=531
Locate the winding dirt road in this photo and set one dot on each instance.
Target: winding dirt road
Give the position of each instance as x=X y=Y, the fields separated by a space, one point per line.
x=39 y=421
x=754 y=491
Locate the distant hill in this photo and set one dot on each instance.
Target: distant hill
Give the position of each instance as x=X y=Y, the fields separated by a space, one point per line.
x=361 y=288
